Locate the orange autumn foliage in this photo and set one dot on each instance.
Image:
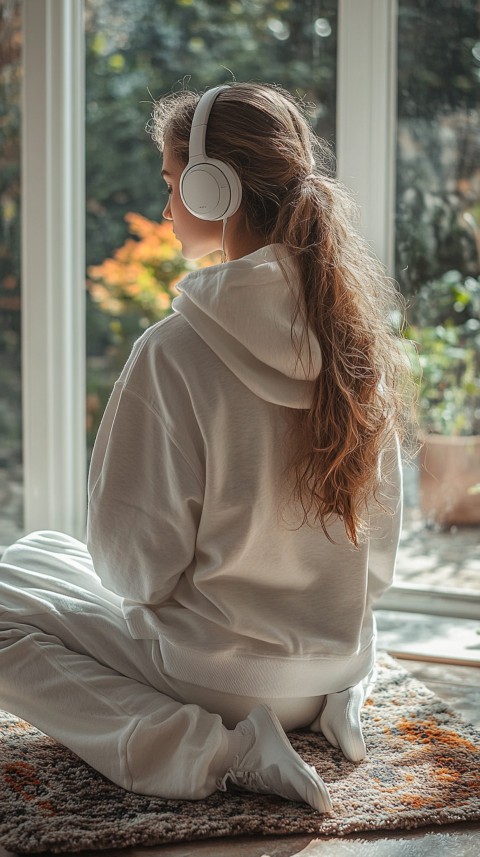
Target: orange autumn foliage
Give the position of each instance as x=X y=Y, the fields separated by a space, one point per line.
x=142 y=273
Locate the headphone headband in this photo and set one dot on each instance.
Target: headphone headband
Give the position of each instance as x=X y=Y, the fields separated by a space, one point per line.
x=210 y=189
x=198 y=131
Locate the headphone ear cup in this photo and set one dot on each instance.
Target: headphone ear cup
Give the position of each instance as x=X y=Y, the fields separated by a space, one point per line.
x=210 y=189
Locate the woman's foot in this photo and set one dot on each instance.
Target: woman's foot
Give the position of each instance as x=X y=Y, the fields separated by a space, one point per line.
x=339 y=721
x=271 y=766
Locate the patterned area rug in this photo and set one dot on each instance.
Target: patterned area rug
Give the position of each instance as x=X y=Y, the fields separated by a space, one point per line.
x=422 y=768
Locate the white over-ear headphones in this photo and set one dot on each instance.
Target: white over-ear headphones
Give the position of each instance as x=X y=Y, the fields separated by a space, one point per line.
x=209 y=188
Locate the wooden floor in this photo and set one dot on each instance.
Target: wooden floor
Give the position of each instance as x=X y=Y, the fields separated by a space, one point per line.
x=458 y=685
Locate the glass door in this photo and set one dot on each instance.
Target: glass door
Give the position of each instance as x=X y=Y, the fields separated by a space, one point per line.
x=437 y=265
x=136 y=53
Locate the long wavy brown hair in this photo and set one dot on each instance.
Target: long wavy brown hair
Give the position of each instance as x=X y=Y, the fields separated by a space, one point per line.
x=290 y=197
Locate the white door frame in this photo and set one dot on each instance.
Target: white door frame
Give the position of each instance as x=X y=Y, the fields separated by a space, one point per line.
x=53 y=266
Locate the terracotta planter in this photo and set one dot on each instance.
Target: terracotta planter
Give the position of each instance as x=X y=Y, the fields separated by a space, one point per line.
x=449 y=470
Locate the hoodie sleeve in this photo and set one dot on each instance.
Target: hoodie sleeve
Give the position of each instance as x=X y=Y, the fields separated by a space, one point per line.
x=145 y=502
x=386 y=525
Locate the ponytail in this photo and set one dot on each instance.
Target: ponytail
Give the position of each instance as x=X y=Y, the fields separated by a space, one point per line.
x=356 y=405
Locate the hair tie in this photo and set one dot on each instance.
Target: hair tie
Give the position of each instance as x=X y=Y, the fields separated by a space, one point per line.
x=308 y=181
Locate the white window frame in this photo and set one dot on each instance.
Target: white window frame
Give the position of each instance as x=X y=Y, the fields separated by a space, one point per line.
x=53 y=266
x=366 y=115
x=53 y=228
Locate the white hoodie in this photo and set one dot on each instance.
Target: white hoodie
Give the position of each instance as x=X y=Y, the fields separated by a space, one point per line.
x=189 y=518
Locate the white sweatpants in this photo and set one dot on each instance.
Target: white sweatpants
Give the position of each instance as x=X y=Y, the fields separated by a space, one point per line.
x=69 y=666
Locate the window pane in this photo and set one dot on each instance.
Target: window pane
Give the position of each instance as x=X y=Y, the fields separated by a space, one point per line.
x=437 y=265
x=148 y=47
x=11 y=510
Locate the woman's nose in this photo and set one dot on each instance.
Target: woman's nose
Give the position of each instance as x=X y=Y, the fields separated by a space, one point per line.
x=166 y=212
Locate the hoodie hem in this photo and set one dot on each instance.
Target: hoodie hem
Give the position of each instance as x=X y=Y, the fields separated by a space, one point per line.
x=254 y=675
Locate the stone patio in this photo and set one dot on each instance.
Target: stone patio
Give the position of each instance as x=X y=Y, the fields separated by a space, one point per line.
x=431 y=556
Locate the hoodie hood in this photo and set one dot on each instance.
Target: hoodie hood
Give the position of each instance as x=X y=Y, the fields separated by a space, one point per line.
x=243 y=310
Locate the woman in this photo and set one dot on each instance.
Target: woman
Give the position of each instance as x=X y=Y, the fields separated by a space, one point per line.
x=244 y=491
